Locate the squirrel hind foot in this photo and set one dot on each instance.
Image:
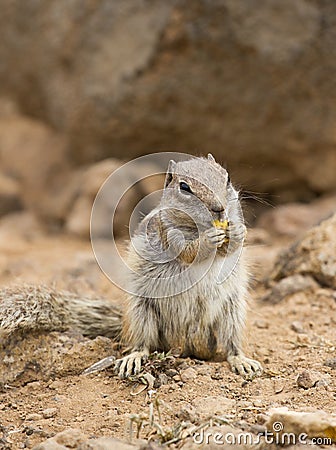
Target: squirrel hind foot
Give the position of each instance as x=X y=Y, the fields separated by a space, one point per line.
x=246 y=367
x=131 y=364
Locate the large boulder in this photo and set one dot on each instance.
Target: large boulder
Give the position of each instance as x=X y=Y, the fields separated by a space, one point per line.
x=293 y=219
x=35 y=166
x=125 y=190
x=313 y=256
x=252 y=82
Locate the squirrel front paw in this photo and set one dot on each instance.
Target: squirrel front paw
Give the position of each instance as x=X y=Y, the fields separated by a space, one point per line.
x=215 y=237
x=246 y=367
x=236 y=232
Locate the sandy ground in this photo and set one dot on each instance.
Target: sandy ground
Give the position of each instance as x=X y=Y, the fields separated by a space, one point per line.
x=296 y=334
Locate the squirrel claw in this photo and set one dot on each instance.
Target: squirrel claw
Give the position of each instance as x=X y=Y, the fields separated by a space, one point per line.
x=215 y=236
x=100 y=365
x=129 y=365
x=246 y=367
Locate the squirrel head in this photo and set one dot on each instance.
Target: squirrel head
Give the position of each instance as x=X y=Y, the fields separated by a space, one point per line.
x=199 y=188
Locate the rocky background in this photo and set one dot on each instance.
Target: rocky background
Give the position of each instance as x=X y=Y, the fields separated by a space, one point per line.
x=81 y=81
x=86 y=85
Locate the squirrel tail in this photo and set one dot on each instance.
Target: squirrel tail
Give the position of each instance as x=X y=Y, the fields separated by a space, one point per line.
x=40 y=308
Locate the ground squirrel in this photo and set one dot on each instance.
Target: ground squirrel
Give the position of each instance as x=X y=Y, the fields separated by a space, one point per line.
x=187 y=270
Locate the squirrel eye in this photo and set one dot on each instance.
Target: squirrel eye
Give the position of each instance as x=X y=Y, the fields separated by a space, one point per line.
x=185 y=187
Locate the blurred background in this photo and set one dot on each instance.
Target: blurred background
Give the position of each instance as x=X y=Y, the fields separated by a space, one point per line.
x=87 y=84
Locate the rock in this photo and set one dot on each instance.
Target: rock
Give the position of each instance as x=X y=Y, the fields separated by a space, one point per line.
x=70 y=438
x=163 y=379
x=56 y=384
x=116 y=92
x=289 y=286
x=210 y=406
x=109 y=443
x=262 y=324
x=293 y=219
x=33 y=417
x=75 y=439
x=204 y=370
x=50 y=445
x=331 y=363
x=187 y=413
x=313 y=424
x=89 y=181
x=314 y=255
x=188 y=375
x=8 y=107
x=258 y=403
x=297 y=327
x=311 y=378
x=21 y=224
x=134 y=181
x=36 y=157
x=10 y=199
x=49 y=413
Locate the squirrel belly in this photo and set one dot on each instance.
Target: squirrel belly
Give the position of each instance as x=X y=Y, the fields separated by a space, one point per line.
x=202 y=320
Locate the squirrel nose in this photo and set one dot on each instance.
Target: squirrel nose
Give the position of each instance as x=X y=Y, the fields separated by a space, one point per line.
x=217 y=209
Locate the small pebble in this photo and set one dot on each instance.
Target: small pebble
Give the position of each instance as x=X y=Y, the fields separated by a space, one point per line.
x=33 y=417
x=262 y=324
x=165 y=388
x=49 y=413
x=59 y=398
x=187 y=413
x=204 y=370
x=163 y=379
x=55 y=384
x=258 y=403
x=70 y=438
x=310 y=378
x=188 y=375
x=297 y=327
x=34 y=385
x=331 y=363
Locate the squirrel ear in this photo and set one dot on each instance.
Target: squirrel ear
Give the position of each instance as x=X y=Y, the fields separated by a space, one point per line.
x=170 y=171
x=211 y=158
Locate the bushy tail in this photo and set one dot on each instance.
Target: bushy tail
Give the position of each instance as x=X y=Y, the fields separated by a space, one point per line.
x=40 y=308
